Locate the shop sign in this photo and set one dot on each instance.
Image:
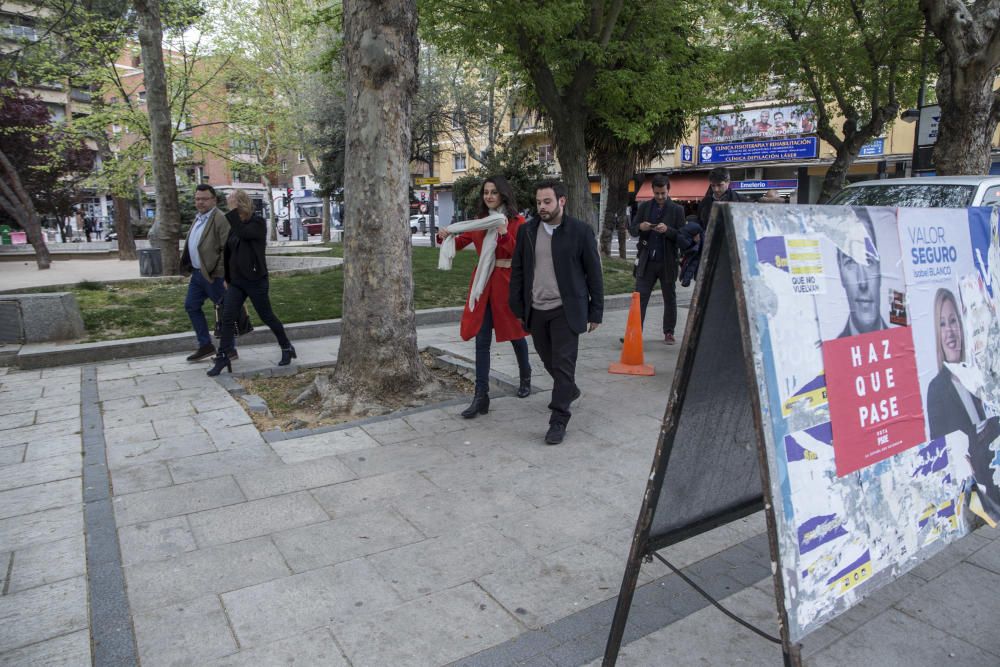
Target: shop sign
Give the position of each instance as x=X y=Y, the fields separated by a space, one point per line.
x=873 y=148
x=755 y=151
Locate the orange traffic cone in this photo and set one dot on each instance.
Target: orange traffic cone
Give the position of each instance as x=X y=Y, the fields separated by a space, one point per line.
x=631 y=361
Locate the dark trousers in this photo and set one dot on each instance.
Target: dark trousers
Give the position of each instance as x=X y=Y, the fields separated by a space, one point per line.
x=667 y=275
x=557 y=345
x=256 y=290
x=199 y=290
x=483 y=341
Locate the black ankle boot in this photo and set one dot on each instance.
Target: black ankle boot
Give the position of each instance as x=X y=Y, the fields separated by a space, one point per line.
x=480 y=405
x=287 y=354
x=524 y=389
x=220 y=361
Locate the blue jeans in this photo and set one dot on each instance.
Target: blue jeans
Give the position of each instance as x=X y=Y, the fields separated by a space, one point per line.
x=199 y=290
x=483 y=340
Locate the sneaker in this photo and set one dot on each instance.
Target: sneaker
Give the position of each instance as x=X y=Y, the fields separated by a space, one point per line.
x=556 y=433
x=669 y=339
x=202 y=352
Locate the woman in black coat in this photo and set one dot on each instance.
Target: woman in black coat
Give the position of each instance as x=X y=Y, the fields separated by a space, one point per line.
x=246 y=277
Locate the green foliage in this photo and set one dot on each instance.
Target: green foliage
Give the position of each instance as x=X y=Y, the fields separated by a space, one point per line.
x=514 y=163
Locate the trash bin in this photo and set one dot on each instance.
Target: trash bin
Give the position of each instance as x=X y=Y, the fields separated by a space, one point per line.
x=4 y=235
x=299 y=232
x=150 y=262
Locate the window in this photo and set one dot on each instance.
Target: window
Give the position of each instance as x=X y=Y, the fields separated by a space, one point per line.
x=237 y=176
x=18 y=27
x=116 y=128
x=142 y=95
x=302 y=182
x=459 y=162
x=302 y=158
x=545 y=154
x=284 y=166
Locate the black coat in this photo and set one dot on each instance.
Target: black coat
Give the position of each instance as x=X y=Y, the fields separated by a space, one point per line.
x=244 y=253
x=673 y=217
x=705 y=207
x=578 y=272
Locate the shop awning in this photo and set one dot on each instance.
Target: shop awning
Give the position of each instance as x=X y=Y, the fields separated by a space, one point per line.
x=685 y=187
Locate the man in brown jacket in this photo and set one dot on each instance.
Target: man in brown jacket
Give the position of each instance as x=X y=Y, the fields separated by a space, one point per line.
x=202 y=257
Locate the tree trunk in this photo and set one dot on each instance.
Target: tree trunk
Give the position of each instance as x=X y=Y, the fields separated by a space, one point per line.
x=326 y=218
x=16 y=202
x=965 y=133
x=572 y=149
x=272 y=221
x=617 y=184
x=166 y=232
x=378 y=345
x=123 y=227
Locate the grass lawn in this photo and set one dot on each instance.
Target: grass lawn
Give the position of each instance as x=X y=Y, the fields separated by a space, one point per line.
x=133 y=309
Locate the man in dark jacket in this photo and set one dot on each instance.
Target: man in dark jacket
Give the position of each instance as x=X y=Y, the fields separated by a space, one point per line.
x=557 y=290
x=202 y=258
x=656 y=223
x=718 y=190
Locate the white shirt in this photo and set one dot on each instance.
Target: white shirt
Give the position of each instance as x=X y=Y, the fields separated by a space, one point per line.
x=197 y=229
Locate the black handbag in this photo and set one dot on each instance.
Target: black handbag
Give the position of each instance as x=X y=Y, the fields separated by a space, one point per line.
x=243 y=323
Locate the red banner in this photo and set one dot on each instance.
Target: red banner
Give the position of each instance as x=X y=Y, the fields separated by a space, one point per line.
x=874 y=396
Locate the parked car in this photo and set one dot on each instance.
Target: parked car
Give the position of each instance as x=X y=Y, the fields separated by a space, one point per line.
x=928 y=192
x=418 y=223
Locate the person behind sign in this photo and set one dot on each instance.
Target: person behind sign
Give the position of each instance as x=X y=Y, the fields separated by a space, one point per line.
x=656 y=223
x=718 y=190
x=862 y=281
x=491 y=312
x=557 y=290
x=950 y=406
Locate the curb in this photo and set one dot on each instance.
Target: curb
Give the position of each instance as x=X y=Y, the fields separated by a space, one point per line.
x=35 y=356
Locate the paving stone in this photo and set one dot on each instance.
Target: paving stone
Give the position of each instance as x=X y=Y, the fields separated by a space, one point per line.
x=57 y=446
x=12 y=455
x=123 y=404
x=16 y=420
x=229 y=462
x=232 y=437
x=392 y=458
x=312 y=648
x=193 y=574
x=144 y=451
x=344 y=539
x=127 y=435
x=131 y=415
x=141 y=477
x=47 y=526
x=546 y=589
x=222 y=418
x=176 y=500
x=54 y=414
x=988 y=557
x=155 y=540
x=25 y=391
x=370 y=493
x=430 y=422
x=172 y=427
x=439 y=513
x=151 y=384
x=38 y=472
x=950 y=601
x=283 y=478
x=188 y=633
x=560 y=525
x=111 y=389
x=945 y=560
x=43 y=613
x=38 y=497
x=72 y=650
x=432 y=565
x=47 y=563
x=432 y=630
x=894 y=639
x=322 y=445
x=255 y=518
x=391 y=431
x=28 y=434
x=876 y=603
x=291 y=605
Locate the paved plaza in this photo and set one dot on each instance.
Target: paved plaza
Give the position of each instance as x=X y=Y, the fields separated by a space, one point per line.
x=422 y=539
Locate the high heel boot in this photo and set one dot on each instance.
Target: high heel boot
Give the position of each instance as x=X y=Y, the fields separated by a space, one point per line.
x=287 y=354
x=221 y=361
x=480 y=405
x=524 y=389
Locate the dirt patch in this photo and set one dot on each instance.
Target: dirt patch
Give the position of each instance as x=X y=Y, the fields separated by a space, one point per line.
x=287 y=414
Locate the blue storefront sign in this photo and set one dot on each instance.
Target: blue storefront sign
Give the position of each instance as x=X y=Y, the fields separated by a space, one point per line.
x=873 y=148
x=756 y=151
x=687 y=153
x=777 y=184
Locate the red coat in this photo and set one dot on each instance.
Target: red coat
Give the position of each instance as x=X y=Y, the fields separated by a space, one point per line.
x=505 y=325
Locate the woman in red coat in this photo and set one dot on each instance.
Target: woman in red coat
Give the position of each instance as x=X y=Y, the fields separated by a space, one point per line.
x=490 y=311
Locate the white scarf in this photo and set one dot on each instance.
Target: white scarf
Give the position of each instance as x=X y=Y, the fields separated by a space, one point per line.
x=487 y=257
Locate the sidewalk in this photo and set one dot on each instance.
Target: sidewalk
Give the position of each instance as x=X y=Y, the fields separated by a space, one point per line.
x=418 y=540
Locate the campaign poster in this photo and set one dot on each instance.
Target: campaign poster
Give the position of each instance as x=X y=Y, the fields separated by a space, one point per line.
x=843 y=330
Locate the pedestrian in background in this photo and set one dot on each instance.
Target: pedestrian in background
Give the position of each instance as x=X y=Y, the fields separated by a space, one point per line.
x=557 y=290
x=246 y=278
x=487 y=309
x=203 y=259
x=656 y=223
x=718 y=190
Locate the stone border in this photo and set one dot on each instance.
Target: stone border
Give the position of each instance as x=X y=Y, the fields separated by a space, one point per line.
x=499 y=381
x=111 y=632
x=49 y=356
